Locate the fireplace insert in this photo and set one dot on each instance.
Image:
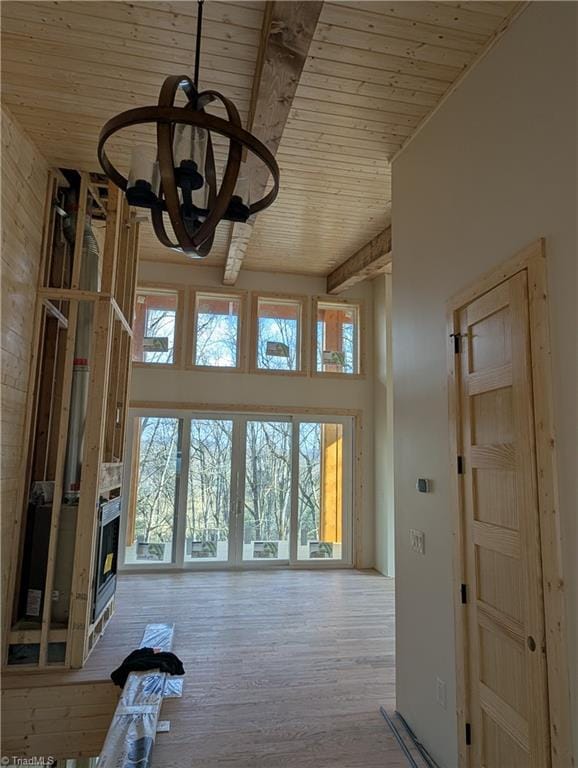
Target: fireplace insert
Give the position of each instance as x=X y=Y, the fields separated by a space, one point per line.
x=106 y=555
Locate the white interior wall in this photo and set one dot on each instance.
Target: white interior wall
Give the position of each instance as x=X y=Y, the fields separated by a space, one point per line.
x=383 y=427
x=220 y=387
x=492 y=171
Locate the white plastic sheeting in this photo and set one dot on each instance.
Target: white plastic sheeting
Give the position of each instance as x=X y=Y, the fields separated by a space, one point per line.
x=131 y=736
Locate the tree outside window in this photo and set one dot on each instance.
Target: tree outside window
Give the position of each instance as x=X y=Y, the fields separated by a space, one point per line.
x=217 y=326
x=278 y=334
x=154 y=327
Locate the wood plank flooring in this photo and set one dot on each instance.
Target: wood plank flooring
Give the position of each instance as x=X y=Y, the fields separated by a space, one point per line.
x=284 y=669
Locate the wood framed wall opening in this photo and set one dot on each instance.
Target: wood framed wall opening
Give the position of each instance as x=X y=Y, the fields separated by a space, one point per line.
x=511 y=658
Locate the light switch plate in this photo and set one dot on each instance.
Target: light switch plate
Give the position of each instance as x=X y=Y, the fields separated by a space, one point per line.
x=423 y=485
x=417 y=541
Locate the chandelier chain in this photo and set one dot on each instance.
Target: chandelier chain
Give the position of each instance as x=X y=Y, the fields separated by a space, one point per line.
x=198 y=45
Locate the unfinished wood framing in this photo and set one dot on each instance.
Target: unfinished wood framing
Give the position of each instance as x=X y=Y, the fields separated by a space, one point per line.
x=288 y=29
x=50 y=405
x=532 y=261
x=370 y=261
x=87 y=521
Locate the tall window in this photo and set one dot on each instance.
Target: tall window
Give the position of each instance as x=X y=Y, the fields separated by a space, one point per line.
x=153 y=491
x=278 y=333
x=337 y=328
x=238 y=488
x=155 y=320
x=217 y=330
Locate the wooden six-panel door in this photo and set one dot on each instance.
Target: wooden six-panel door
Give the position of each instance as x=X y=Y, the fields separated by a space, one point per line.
x=505 y=675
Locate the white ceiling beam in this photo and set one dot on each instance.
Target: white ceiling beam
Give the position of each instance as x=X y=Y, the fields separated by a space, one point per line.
x=288 y=29
x=368 y=262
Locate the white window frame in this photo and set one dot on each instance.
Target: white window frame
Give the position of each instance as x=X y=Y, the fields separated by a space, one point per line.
x=235 y=561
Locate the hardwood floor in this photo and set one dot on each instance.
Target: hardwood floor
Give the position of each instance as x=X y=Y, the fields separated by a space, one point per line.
x=284 y=669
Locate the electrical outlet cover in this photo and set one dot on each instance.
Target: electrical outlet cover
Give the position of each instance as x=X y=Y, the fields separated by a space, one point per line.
x=417 y=541
x=441 y=693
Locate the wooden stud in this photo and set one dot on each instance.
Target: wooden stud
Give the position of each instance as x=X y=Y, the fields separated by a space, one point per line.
x=121 y=394
x=66 y=294
x=84 y=554
x=111 y=240
x=111 y=398
x=134 y=260
x=58 y=477
x=81 y=212
x=48 y=228
x=122 y=255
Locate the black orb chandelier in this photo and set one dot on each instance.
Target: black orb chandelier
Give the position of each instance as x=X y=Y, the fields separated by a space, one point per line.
x=179 y=181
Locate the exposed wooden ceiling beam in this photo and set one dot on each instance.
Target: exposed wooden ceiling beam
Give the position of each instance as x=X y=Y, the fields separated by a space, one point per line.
x=288 y=29
x=368 y=262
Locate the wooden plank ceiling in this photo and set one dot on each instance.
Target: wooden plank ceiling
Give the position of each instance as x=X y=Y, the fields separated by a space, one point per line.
x=374 y=71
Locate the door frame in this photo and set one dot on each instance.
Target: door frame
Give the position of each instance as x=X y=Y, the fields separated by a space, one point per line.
x=531 y=259
x=187 y=411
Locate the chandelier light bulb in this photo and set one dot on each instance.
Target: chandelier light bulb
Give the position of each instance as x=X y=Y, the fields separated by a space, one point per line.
x=142 y=188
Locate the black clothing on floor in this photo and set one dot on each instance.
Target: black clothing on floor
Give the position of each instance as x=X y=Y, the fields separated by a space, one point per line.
x=146 y=658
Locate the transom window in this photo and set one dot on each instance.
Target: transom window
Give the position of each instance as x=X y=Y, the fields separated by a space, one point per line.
x=217 y=330
x=281 y=326
x=278 y=333
x=155 y=320
x=337 y=330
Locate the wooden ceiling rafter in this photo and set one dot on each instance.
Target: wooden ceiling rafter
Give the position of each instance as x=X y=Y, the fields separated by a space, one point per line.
x=287 y=33
x=368 y=262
